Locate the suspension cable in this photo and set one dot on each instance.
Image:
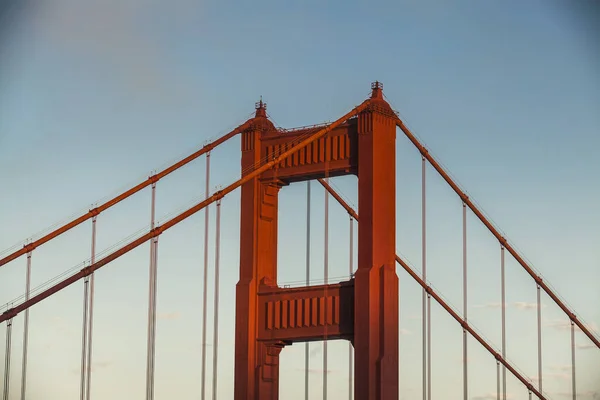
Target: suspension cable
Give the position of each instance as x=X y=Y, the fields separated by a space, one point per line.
x=26 y=329
x=503 y=308
x=205 y=282
x=91 y=312
x=106 y=205
x=216 y=301
x=13 y=311
x=499 y=358
x=465 y=307
x=539 y=336
x=151 y=304
x=350 y=272
x=497 y=380
x=307 y=344
x=84 y=337
x=426 y=381
x=573 y=360
x=326 y=282
x=503 y=241
x=7 y=358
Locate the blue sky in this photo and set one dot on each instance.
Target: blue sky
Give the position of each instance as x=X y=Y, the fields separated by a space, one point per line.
x=94 y=95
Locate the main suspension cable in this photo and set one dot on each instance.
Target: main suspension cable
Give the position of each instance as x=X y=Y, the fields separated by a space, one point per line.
x=128 y=193
x=503 y=241
x=177 y=219
x=499 y=358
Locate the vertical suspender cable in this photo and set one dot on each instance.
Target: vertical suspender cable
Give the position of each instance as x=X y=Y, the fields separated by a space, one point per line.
x=539 y=332
x=497 y=380
x=465 y=370
x=91 y=312
x=573 y=359
x=84 y=337
x=216 y=305
x=326 y=279
x=424 y=271
x=503 y=308
x=350 y=271
x=306 y=345
x=151 y=305
x=426 y=297
x=205 y=282
x=155 y=244
x=26 y=329
x=7 y=359
x=428 y=346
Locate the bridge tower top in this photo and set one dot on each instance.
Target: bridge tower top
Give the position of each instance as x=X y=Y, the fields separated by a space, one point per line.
x=377 y=90
x=261 y=108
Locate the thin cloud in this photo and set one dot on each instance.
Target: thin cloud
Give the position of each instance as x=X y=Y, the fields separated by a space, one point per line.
x=560 y=367
x=522 y=305
x=491 y=396
x=404 y=331
x=589 y=394
x=316 y=370
x=98 y=365
x=586 y=346
x=172 y=316
x=564 y=324
x=115 y=35
x=488 y=305
x=519 y=305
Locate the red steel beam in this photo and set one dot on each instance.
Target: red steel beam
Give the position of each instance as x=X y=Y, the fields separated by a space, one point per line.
x=12 y=312
x=441 y=302
x=95 y=211
x=494 y=231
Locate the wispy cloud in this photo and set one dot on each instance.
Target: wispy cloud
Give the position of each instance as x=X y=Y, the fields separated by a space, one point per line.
x=490 y=396
x=98 y=365
x=404 y=331
x=488 y=305
x=560 y=367
x=171 y=316
x=317 y=370
x=519 y=305
x=522 y=305
x=589 y=394
x=586 y=346
x=564 y=324
x=116 y=35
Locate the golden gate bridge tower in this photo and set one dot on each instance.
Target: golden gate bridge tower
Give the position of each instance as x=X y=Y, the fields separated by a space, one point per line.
x=364 y=309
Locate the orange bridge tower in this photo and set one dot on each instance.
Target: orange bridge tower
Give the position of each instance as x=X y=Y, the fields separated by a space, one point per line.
x=363 y=310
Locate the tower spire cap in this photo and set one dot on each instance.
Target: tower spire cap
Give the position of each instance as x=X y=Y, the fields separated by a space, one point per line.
x=261 y=108
x=377 y=90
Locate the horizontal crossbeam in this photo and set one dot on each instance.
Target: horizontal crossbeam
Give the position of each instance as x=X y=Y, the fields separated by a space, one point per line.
x=307 y=313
